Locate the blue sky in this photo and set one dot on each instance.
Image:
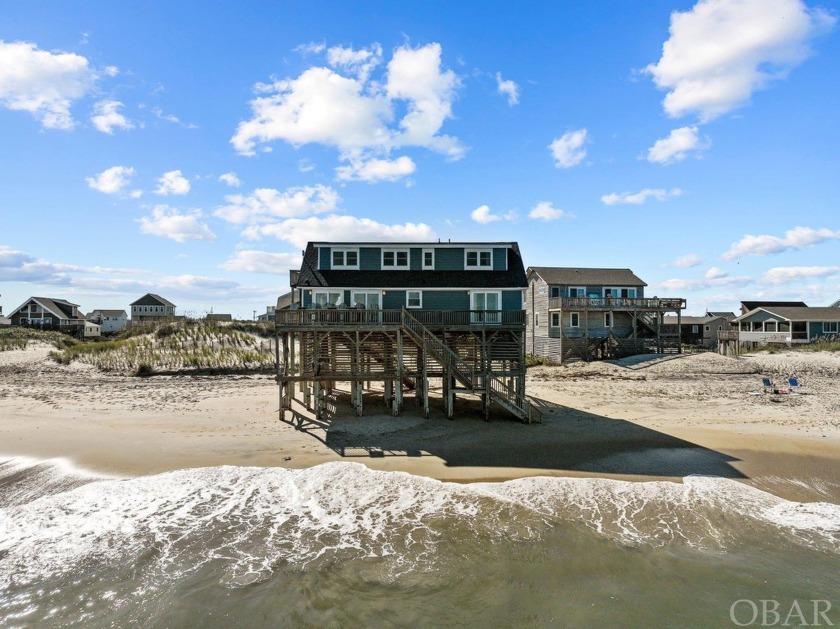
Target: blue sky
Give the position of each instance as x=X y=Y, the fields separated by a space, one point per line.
x=192 y=149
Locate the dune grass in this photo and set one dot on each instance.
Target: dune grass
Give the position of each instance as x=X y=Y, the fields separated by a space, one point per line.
x=16 y=337
x=184 y=346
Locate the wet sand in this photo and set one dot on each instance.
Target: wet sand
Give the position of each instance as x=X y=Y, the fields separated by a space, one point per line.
x=637 y=420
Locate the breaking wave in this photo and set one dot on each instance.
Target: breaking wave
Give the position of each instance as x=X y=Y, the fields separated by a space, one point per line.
x=72 y=529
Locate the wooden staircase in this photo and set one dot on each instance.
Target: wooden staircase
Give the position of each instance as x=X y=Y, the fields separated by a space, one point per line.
x=465 y=374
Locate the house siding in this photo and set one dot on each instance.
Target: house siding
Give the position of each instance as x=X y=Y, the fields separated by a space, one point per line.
x=449 y=259
x=536 y=301
x=511 y=300
x=500 y=259
x=393 y=300
x=446 y=300
x=370 y=258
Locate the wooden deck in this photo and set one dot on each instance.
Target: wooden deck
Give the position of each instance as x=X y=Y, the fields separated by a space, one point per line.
x=664 y=304
x=391 y=319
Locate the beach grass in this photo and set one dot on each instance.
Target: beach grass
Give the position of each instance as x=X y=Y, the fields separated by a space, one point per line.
x=15 y=337
x=172 y=347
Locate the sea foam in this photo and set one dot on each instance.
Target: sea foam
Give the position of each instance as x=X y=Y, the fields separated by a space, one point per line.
x=249 y=522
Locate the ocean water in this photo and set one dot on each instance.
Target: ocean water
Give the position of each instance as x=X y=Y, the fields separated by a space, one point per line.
x=340 y=545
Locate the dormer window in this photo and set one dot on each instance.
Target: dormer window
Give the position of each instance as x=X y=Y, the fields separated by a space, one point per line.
x=428 y=259
x=395 y=258
x=345 y=258
x=478 y=259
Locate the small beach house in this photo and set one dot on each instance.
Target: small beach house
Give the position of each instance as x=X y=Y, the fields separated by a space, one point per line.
x=586 y=313
x=788 y=324
x=151 y=307
x=49 y=313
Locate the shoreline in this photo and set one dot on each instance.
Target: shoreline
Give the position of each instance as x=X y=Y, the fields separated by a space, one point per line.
x=669 y=420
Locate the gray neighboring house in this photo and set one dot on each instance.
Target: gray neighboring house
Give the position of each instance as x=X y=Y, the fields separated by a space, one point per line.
x=284 y=302
x=699 y=331
x=48 y=313
x=585 y=313
x=151 y=307
x=836 y=304
x=788 y=324
x=109 y=320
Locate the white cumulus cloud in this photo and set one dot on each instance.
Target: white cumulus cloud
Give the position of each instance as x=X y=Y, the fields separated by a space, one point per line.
x=299 y=231
x=545 y=211
x=677 y=146
x=508 y=89
x=106 y=117
x=568 y=150
x=715 y=273
x=253 y=261
x=373 y=170
x=638 y=198
x=483 y=215
x=360 y=62
x=796 y=238
x=721 y=51
x=267 y=204
x=356 y=113
x=687 y=261
x=786 y=275
x=111 y=180
x=44 y=84
x=230 y=179
x=172 y=182
x=168 y=222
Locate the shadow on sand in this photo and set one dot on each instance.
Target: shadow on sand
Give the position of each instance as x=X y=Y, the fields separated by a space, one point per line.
x=568 y=439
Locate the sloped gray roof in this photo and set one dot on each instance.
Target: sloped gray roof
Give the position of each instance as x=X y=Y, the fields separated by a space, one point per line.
x=108 y=313
x=799 y=314
x=688 y=320
x=150 y=299
x=836 y=304
x=60 y=308
x=725 y=315
x=752 y=305
x=577 y=276
x=284 y=301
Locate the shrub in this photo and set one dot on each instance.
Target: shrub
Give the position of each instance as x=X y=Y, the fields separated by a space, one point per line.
x=144 y=370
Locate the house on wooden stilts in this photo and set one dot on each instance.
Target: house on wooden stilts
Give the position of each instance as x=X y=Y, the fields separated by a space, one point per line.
x=405 y=314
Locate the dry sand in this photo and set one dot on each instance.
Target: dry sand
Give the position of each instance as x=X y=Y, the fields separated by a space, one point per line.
x=642 y=418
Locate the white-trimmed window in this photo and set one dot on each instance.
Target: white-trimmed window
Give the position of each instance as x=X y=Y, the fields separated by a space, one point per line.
x=577 y=291
x=608 y=320
x=695 y=329
x=428 y=259
x=554 y=292
x=371 y=300
x=574 y=319
x=395 y=258
x=345 y=259
x=414 y=299
x=830 y=327
x=486 y=301
x=707 y=328
x=324 y=298
x=478 y=259
x=555 y=319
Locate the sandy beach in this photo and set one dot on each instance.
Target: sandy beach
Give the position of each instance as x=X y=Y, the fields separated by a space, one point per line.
x=639 y=419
